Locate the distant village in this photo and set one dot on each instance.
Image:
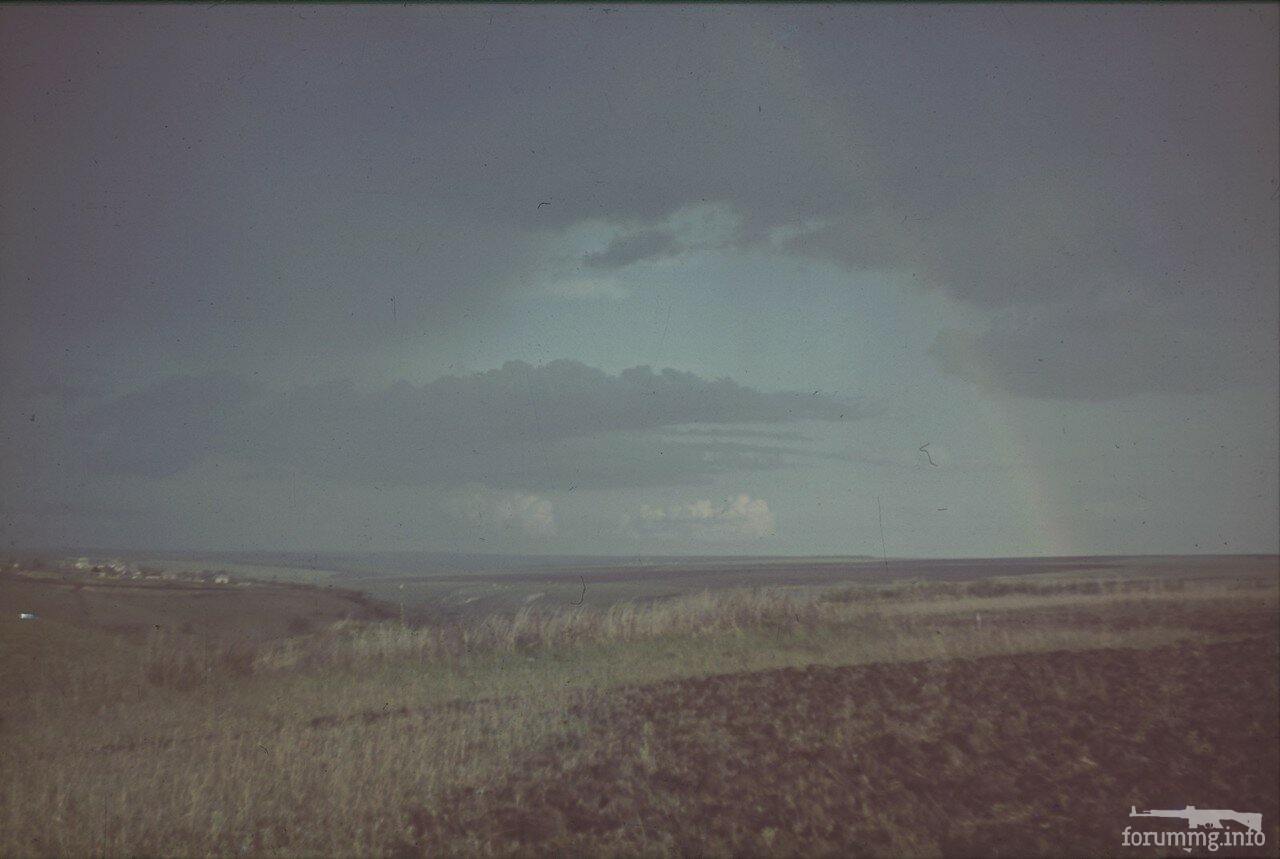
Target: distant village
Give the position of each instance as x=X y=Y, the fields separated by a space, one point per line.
x=117 y=570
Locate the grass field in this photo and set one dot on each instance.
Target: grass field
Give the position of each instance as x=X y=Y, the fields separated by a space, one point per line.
x=1020 y=715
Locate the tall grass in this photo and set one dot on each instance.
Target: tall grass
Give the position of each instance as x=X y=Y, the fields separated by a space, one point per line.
x=866 y=614
x=530 y=630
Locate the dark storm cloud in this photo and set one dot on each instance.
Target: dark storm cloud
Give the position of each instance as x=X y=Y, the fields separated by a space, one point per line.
x=554 y=426
x=1098 y=354
x=238 y=186
x=625 y=250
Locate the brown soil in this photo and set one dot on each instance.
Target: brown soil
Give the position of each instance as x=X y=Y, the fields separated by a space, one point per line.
x=249 y=613
x=1039 y=754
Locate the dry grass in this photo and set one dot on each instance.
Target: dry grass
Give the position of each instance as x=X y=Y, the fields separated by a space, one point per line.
x=354 y=739
x=870 y=615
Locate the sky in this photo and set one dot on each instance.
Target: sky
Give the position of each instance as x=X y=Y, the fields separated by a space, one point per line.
x=915 y=280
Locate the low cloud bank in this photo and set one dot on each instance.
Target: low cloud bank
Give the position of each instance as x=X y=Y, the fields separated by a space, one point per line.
x=555 y=426
x=732 y=520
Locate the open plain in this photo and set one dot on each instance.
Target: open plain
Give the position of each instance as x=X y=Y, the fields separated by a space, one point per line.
x=1018 y=714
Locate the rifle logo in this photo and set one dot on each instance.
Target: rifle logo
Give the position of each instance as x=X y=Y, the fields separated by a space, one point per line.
x=1204 y=818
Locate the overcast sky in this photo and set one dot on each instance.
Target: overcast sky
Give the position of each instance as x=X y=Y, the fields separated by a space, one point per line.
x=720 y=279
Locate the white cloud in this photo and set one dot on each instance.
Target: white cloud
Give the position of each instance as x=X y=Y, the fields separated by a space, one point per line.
x=786 y=235
x=732 y=520
x=705 y=224
x=511 y=513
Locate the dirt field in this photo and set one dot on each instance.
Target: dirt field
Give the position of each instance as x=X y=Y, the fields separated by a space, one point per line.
x=1011 y=715
x=1035 y=754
